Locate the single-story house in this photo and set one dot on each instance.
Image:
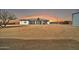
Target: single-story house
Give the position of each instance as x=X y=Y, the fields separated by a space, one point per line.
x=34 y=21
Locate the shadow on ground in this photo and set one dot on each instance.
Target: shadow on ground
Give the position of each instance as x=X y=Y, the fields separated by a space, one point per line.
x=10 y=27
x=17 y=44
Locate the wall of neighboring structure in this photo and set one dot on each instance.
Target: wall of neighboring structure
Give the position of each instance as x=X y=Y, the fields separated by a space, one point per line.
x=24 y=22
x=75 y=19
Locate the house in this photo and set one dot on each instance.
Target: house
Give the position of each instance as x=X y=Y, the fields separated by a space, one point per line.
x=34 y=21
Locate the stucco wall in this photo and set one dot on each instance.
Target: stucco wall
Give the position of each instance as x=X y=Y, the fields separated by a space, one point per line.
x=24 y=22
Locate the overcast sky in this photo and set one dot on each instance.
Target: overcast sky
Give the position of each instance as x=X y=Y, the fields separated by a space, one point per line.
x=62 y=13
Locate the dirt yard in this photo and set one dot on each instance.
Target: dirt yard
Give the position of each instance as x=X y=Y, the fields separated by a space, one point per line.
x=38 y=31
x=39 y=37
x=17 y=44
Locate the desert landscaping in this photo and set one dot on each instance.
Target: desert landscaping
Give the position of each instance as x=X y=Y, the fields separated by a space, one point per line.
x=52 y=36
x=30 y=29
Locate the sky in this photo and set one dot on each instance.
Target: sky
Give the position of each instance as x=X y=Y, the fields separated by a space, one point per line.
x=65 y=14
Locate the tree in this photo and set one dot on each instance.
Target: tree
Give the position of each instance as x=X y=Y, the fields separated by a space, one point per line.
x=66 y=22
x=5 y=17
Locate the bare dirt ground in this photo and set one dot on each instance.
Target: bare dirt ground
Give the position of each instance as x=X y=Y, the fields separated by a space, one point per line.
x=39 y=37
x=17 y=44
x=38 y=31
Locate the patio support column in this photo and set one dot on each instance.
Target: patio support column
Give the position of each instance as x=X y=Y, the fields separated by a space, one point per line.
x=41 y=22
x=35 y=22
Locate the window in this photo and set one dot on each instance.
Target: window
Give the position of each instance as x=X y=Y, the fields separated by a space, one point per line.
x=25 y=22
